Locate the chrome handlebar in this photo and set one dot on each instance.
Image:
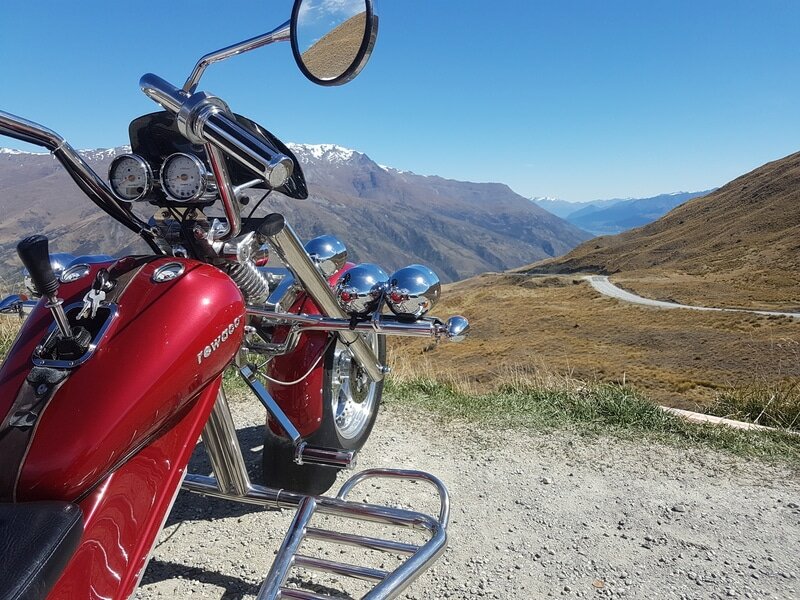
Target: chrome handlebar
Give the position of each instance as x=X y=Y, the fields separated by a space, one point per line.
x=206 y=119
x=90 y=182
x=455 y=329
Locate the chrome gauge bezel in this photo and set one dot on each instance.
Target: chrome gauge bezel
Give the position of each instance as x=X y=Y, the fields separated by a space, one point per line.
x=201 y=170
x=74 y=273
x=148 y=173
x=168 y=272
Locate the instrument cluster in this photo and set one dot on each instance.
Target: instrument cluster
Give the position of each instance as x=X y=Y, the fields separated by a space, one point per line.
x=182 y=178
x=166 y=169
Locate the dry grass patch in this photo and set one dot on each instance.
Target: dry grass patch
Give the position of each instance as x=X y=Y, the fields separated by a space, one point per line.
x=546 y=325
x=600 y=409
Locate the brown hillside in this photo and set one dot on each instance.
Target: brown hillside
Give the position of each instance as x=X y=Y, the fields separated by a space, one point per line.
x=739 y=245
x=335 y=52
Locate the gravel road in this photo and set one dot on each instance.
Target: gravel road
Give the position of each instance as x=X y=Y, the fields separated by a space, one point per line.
x=534 y=516
x=602 y=284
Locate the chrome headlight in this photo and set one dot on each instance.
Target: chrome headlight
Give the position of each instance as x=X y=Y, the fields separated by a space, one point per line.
x=359 y=290
x=328 y=252
x=413 y=291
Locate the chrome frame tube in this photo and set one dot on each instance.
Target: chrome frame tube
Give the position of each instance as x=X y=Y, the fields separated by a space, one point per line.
x=254 y=153
x=233 y=483
x=269 y=403
x=223 y=449
x=279 y=34
x=291 y=251
x=406 y=475
x=291 y=544
x=226 y=193
x=163 y=92
x=383 y=325
x=304 y=454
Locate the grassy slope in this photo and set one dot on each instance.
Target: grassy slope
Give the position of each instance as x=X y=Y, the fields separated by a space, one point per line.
x=603 y=409
x=523 y=325
x=556 y=403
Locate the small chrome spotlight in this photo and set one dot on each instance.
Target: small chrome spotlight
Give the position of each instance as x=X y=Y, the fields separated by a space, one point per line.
x=457 y=328
x=359 y=290
x=413 y=291
x=328 y=252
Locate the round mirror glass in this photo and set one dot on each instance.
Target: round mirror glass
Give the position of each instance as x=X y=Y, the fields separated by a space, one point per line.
x=332 y=39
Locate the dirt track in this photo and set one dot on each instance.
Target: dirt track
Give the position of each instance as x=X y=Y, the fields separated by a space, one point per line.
x=533 y=516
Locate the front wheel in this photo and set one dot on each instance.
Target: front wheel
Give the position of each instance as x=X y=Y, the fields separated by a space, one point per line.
x=349 y=408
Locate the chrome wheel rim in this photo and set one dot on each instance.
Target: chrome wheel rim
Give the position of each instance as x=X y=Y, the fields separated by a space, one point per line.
x=353 y=395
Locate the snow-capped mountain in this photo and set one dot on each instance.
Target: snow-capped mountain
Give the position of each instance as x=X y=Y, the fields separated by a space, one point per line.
x=330 y=153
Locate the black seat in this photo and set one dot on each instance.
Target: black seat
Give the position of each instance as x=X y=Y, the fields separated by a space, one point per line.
x=37 y=539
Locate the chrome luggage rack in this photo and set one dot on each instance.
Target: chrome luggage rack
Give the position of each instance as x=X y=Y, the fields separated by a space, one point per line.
x=232 y=482
x=387 y=584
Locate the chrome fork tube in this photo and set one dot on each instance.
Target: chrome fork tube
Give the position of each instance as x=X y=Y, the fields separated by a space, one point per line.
x=289 y=248
x=223 y=449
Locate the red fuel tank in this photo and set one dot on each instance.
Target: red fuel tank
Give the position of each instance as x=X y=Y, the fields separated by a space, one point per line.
x=166 y=342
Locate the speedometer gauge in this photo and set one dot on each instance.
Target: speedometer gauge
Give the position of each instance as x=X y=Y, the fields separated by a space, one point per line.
x=131 y=177
x=184 y=178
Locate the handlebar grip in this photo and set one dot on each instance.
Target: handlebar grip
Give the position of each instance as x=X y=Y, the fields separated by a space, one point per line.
x=206 y=119
x=35 y=255
x=255 y=153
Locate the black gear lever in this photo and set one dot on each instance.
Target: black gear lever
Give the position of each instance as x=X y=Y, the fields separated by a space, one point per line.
x=35 y=255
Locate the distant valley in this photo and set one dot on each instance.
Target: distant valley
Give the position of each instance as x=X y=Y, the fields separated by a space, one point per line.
x=737 y=246
x=383 y=215
x=609 y=217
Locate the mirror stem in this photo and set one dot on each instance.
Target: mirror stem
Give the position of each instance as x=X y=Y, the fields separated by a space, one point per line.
x=279 y=34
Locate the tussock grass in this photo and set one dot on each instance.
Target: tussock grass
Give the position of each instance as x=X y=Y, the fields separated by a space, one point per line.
x=547 y=403
x=774 y=404
x=9 y=327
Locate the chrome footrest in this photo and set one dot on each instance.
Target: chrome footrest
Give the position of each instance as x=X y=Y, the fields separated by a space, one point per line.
x=411 y=558
x=326 y=457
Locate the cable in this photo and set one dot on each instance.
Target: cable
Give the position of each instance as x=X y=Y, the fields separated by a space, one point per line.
x=267 y=193
x=314 y=366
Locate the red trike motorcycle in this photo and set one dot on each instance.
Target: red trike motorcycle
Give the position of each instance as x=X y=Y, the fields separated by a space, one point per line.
x=118 y=368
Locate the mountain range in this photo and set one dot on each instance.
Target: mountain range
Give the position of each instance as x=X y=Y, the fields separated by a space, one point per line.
x=609 y=217
x=382 y=214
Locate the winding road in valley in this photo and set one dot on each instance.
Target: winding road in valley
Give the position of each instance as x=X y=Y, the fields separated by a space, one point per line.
x=602 y=284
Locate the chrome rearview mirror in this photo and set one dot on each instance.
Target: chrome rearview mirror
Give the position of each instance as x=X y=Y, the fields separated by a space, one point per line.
x=332 y=39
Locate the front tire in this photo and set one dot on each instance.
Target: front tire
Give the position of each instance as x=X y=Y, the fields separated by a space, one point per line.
x=350 y=404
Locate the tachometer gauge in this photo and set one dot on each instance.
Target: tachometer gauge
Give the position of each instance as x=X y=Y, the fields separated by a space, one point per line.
x=131 y=177
x=184 y=178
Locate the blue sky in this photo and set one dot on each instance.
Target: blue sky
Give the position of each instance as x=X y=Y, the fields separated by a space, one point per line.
x=578 y=100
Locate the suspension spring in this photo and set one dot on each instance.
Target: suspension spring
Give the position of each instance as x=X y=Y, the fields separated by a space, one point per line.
x=253 y=284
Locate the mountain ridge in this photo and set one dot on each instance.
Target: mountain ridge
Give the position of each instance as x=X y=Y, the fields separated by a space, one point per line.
x=458 y=228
